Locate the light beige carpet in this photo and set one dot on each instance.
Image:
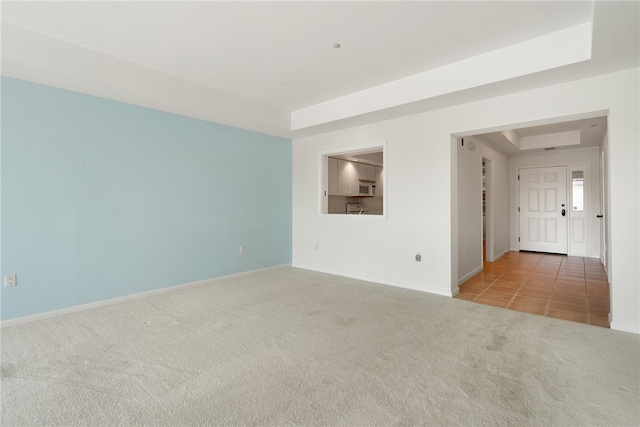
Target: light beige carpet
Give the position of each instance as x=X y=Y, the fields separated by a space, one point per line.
x=292 y=347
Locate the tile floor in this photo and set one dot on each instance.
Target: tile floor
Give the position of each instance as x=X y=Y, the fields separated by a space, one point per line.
x=570 y=288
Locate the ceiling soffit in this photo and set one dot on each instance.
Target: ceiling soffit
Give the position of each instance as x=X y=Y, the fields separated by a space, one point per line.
x=554 y=50
x=32 y=55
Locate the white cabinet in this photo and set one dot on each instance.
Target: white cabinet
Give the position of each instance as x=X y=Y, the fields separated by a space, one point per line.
x=379 y=182
x=332 y=172
x=344 y=177
x=367 y=172
x=347 y=178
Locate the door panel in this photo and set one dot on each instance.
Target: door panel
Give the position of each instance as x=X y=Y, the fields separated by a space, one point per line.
x=578 y=230
x=543 y=194
x=551 y=228
x=550 y=199
x=534 y=229
x=534 y=197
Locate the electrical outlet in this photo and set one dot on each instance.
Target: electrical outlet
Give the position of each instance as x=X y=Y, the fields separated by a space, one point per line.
x=10 y=281
x=418 y=257
x=241 y=249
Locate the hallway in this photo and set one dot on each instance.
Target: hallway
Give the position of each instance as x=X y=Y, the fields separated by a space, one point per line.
x=569 y=288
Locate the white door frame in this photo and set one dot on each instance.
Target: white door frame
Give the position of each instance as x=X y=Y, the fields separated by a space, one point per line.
x=488 y=219
x=604 y=205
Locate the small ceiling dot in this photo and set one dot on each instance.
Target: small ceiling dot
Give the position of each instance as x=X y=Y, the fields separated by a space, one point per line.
x=336 y=45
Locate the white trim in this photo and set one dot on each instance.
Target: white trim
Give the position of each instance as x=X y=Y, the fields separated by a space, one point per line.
x=469 y=275
x=117 y=300
x=385 y=283
x=323 y=180
x=617 y=326
x=501 y=254
x=355 y=149
x=349 y=216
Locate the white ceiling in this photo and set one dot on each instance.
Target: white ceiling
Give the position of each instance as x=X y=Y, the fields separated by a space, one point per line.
x=589 y=132
x=250 y=49
x=259 y=64
x=375 y=158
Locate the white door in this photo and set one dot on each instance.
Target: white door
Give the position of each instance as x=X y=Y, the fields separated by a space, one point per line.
x=603 y=207
x=543 y=209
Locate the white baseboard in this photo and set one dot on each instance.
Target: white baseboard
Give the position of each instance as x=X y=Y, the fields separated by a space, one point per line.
x=117 y=300
x=383 y=282
x=618 y=326
x=624 y=327
x=469 y=275
x=501 y=254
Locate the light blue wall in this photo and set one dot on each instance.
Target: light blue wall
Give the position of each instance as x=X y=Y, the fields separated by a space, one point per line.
x=102 y=199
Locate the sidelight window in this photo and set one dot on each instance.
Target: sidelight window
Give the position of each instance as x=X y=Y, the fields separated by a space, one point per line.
x=577 y=191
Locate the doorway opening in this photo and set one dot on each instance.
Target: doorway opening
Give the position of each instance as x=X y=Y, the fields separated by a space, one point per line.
x=569 y=282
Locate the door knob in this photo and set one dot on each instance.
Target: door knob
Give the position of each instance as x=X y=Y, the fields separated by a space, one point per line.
x=564 y=212
x=598 y=216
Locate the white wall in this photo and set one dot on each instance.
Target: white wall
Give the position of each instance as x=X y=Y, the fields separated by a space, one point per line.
x=422 y=196
x=624 y=209
x=500 y=196
x=469 y=202
x=605 y=256
x=588 y=157
x=378 y=248
x=469 y=208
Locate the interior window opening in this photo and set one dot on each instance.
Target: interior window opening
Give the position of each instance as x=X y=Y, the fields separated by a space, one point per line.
x=354 y=182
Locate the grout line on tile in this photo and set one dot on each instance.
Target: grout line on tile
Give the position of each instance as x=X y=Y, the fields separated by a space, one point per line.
x=523 y=263
x=586 y=293
x=546 y=311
